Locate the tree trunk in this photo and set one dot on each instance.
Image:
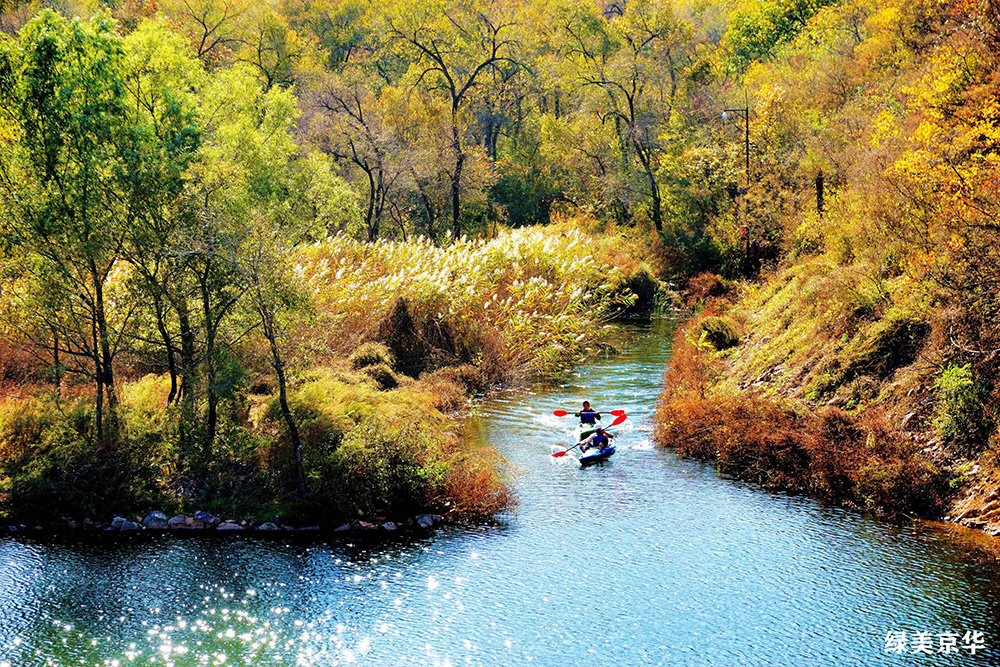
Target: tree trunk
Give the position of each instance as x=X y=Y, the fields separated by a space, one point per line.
x=99 y=380
x=654 y=188
x=820 y=204
x=56 y=370
x=187 y=376
x=211 y=389
x=161 y=325
x=428 y=206
x=370 y=213
x=456 y=184
x=107 y=369
x=286 y=413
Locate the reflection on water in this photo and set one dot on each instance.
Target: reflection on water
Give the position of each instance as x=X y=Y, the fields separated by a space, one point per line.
x=645 y=560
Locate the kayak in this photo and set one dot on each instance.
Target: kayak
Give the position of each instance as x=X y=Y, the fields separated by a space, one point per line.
x=585 y=430
x=595 y=456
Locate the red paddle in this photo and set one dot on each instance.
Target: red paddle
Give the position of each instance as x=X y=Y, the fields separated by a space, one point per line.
x=563 y=413
x=618 y=420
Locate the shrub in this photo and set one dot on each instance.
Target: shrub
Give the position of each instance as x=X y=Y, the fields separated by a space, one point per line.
x=382 y=375
x=891 y=344
x=52 y=465
x=371 y=354
x=645 y=289
x=475 y=485
x=450 y=386
x=366 y=450
x=379 y=467
x=961 y=414
x=705 y=286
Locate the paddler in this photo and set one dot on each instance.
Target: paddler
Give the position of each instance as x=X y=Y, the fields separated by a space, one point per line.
x=599 y=439
x=588 y=416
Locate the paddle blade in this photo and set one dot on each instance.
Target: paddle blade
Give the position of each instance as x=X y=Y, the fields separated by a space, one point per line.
x=560 y=413
x=617 y=412
x=558 y=454
x=618 y=420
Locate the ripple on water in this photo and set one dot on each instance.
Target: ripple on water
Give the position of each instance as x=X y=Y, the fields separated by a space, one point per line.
x=646 y=560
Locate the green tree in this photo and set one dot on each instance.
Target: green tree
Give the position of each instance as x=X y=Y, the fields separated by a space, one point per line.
x=68 y=192
x=631 y=68
x=756 y=31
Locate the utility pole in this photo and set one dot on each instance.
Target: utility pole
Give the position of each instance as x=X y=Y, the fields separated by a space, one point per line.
x=745 y=113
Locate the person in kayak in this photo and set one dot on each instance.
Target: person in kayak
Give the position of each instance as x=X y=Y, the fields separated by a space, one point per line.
x=588 y=416
x=598 y=440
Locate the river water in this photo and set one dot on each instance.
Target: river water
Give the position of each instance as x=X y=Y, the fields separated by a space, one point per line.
x=645 y=560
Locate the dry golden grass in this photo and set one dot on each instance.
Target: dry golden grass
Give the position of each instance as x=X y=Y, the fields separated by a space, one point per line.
x=523 y=303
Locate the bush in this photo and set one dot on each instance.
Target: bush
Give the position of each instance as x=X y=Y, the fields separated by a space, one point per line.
x=646 y=288
x=366 y=450
x=52 y=466
x=961 y=414
x=892 y=343
x=371 y=354
x=379 y=467
x=451 y=386
x=705 y=286
x=382 y=375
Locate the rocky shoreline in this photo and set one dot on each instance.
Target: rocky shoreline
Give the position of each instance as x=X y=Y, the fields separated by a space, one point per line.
x=204 y=523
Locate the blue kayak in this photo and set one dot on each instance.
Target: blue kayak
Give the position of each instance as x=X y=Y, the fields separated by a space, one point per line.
x=597 y=456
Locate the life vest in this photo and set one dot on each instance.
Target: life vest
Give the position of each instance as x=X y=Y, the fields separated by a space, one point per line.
x=588 y=416
x=600 y=441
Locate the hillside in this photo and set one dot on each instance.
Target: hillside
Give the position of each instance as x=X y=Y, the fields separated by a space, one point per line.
x=868 y=349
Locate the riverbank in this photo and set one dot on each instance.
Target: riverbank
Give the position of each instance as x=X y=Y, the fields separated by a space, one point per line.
x=783 y=384
x=393 y=342
x=205 y=524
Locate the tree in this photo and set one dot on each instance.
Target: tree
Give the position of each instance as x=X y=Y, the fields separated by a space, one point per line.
x=212 y=26
x=243 y=173
x=354 y=129
x=452 y=50
x=68 y=193
x=630 y=68
x=161 y=82
x=264 y=266
x=756 y=31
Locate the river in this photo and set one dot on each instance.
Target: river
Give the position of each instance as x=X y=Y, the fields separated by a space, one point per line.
x=648 y=559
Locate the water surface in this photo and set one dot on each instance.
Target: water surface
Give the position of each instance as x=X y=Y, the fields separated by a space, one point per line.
x=646 y=560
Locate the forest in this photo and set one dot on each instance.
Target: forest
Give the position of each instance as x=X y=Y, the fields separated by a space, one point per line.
x=255 y=255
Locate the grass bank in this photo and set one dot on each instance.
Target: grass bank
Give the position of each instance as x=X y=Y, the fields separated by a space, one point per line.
x=392 y=341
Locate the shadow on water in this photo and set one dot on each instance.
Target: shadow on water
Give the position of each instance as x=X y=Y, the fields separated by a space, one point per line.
x=648 y=559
